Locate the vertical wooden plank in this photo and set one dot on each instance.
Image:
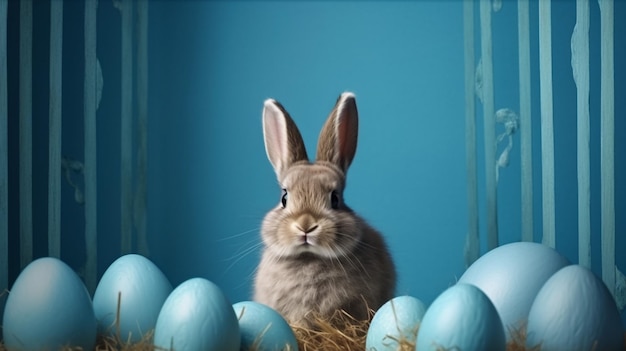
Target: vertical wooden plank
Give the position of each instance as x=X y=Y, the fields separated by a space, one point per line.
x=4 y=151
x=547 y=128
x=55 y=115
x=472 y=246
x=26 y=132
x=607 y=144
x=489 y=124
x=142 y=128
x=580 y=70
x=126 y=125
x=90 y=168
x=523 y=29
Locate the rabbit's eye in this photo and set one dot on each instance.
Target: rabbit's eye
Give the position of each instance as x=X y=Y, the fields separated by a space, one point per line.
x=283 y=198
x=334 y=199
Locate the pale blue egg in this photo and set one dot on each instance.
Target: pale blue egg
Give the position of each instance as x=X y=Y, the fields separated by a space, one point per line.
x=461 y=318
x=511 y=275
x=141 y=288
x=197 y=316
x=395 y=321
x=48 y=308
x=574 y=311
x=263 y=329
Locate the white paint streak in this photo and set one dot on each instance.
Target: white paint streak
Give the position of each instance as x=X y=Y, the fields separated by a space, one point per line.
x=489 y=124
x=472 y=245
x=580 y=70
x=525 y=119
x=547 y=128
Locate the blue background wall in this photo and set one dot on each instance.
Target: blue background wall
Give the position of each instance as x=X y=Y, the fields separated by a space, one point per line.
x=211 y=66
x=405 y=64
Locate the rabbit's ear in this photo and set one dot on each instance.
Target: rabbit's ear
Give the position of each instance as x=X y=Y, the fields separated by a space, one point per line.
x=283 y=142
x=337 y=141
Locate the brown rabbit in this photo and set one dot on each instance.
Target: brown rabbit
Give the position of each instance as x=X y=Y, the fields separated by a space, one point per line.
x=319 y=256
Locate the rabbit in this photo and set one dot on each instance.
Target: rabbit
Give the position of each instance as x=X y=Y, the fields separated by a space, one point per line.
x=318 y=256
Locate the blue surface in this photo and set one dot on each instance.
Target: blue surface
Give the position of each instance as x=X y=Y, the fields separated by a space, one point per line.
x=404 y=61
x=211 y=65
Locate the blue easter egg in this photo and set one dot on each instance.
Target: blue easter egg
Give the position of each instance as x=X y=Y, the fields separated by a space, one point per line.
x=461 y=318
x=574 y=311
x=263 y=329
x=511 y=276
x=141 y=289
x=197 y=316
x=48 y=308
x=396 y=321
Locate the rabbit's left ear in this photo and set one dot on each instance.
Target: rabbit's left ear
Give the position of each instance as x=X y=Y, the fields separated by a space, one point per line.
x=338 y=139
x=283 y=141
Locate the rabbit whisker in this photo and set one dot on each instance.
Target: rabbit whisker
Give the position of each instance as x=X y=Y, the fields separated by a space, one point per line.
x=241 y=256
x=235 y=236
x=249 y=245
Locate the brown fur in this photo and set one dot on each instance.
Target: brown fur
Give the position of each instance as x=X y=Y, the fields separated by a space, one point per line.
x=318 y=259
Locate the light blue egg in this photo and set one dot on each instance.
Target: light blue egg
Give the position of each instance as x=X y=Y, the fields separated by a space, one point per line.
x=263 y=329
x=197 y=316
x=461 y=318
x=574 y=311
x=48 y=308
x=511 y=276
x=141 y=287
x=397 y=320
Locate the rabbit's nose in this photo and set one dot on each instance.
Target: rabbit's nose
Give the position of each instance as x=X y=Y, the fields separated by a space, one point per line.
x=306 y=224
x=308 y=230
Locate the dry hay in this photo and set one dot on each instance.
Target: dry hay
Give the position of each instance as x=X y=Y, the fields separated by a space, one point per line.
x=341 y=332
x=352 y=334
x=518 y=340
x=323 y=336
x=115 y=343
x=349 y=336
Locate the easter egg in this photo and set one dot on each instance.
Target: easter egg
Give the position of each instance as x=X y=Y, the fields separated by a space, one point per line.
x=48 y=308
x=461 y=318
x=511 y=275
x=263 y=329
x=574 y=311
x=197 y=316
x=396 y=322
x=139 y=287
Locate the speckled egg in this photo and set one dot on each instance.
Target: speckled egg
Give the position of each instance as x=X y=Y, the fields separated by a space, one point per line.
x=461 y=318
x=197 y=316
x=574 y=311
x=263 y=329
x=511 y=275
x=141 y=288
x=394 y=323
x=48 y=308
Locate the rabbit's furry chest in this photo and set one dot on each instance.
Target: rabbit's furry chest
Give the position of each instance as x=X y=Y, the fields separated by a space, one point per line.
x=309 y=286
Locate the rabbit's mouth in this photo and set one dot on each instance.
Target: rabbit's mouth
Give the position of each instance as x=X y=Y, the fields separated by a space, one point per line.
x=306 y=233
x=305 y=240
x=308 y=243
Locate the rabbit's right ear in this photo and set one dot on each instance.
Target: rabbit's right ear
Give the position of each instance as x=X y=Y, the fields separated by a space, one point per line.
x=283 y=141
